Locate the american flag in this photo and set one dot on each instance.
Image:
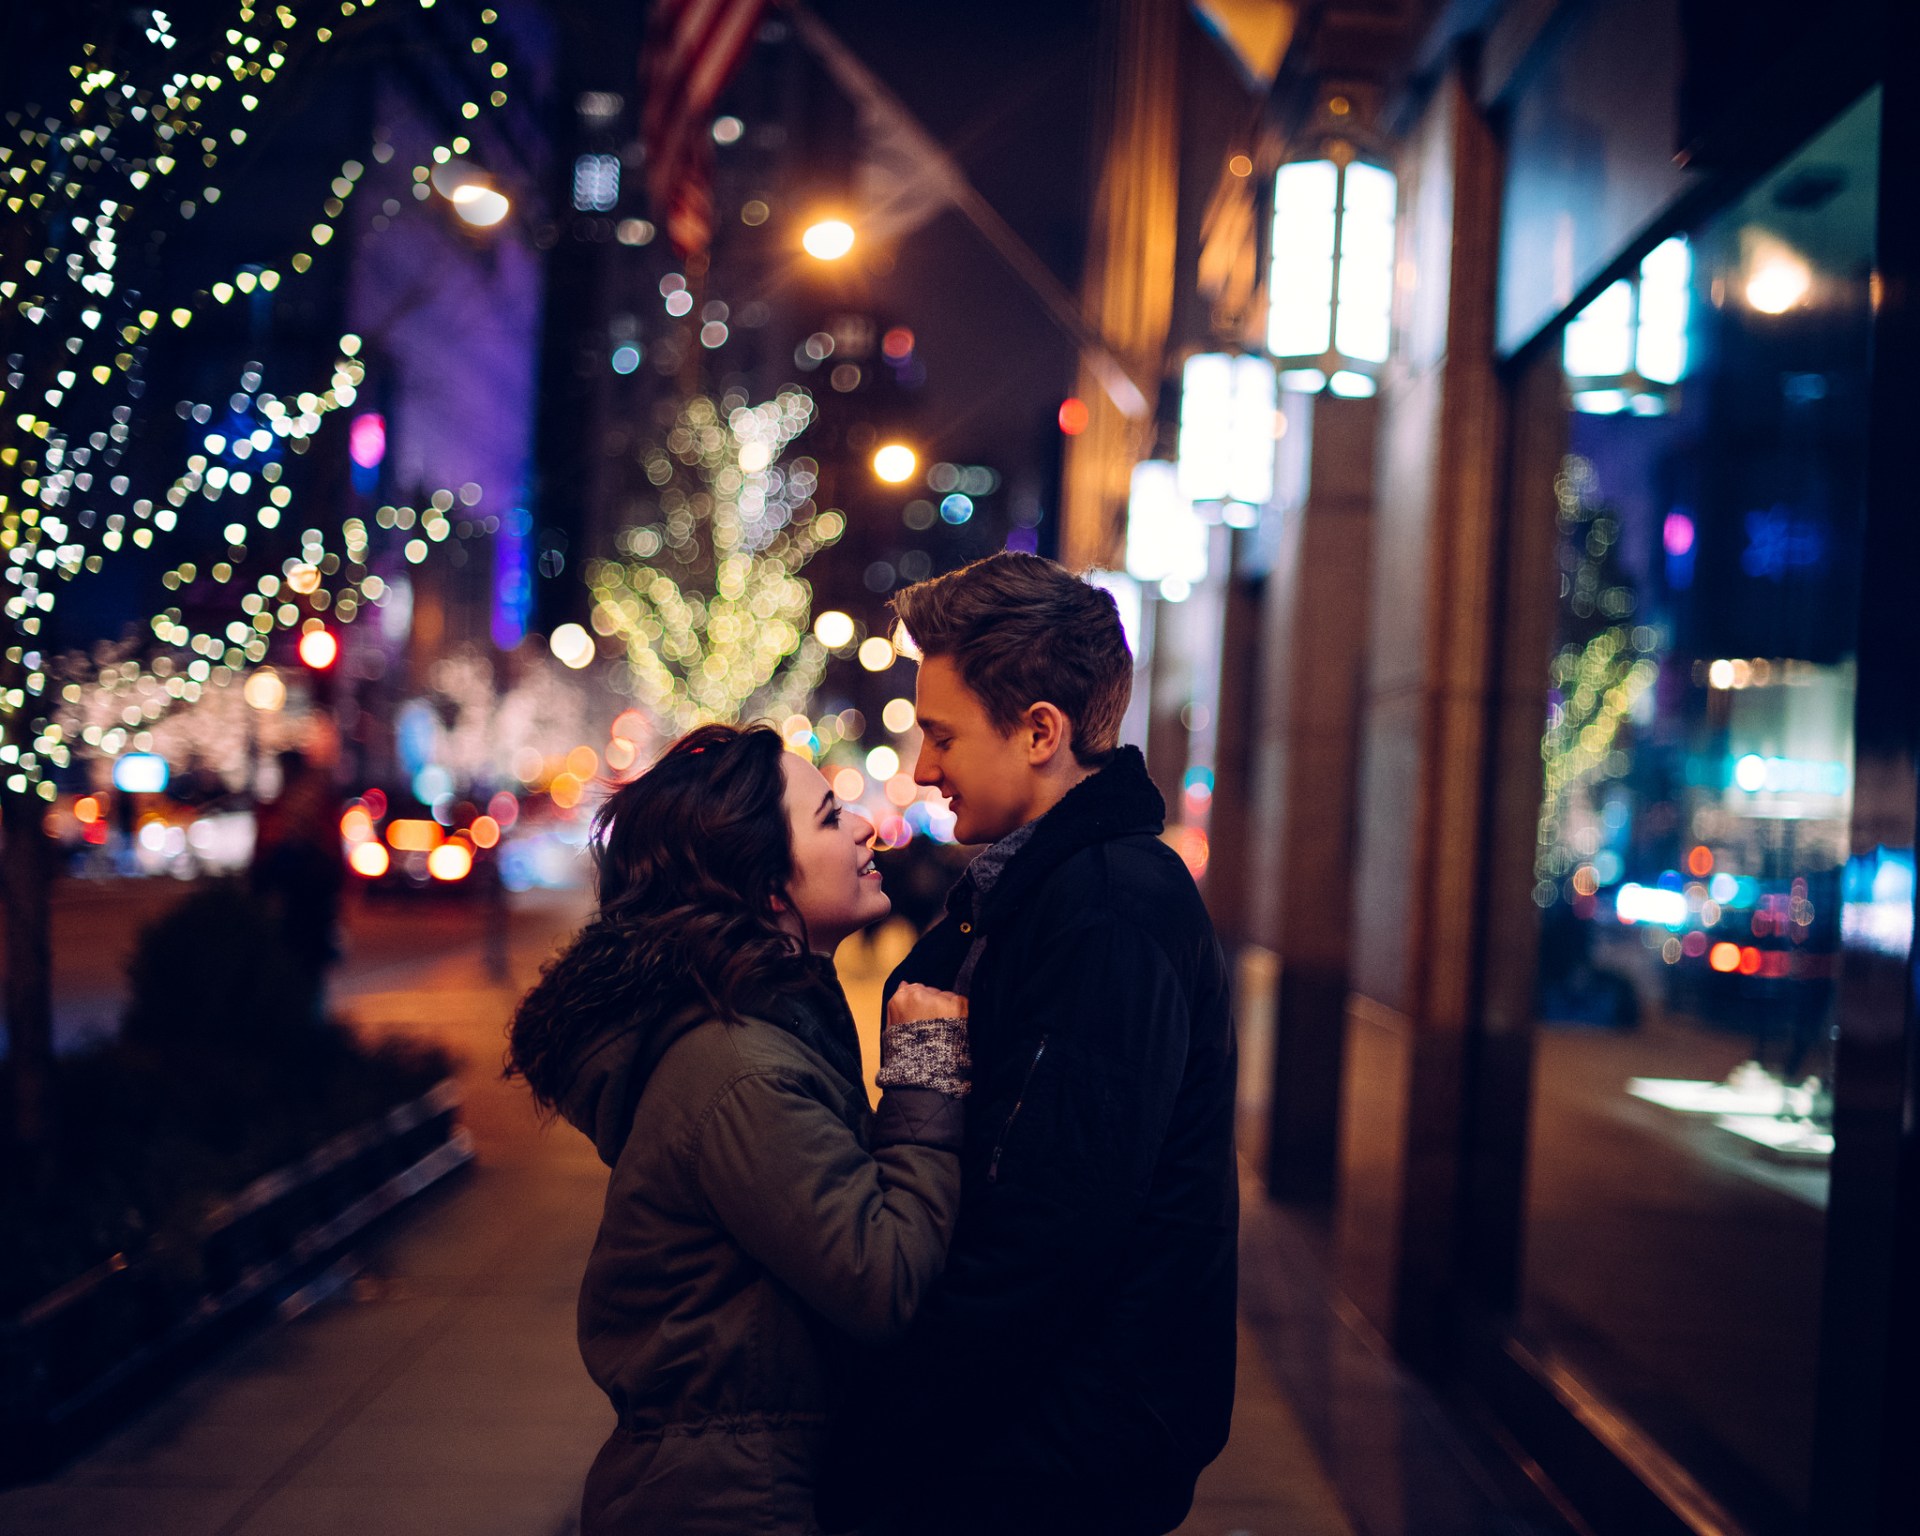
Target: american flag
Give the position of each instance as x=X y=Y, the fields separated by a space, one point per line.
x=692 y=49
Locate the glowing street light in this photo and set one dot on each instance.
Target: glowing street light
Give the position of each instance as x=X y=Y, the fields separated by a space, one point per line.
x=1329 y=321
x=895 y=463
x=827 y=240
x=1778 y=277
x=475 y=199
x=319 y=649
x=479 y=206
x=264 y=691
x=572 y=646
x=833 y=629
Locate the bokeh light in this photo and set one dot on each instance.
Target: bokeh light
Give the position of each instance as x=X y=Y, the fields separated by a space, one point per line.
x=895 y=463
x=572 y=646
x=319 y=649
x=450 y=861
x=833 y=629
x=877 y=653
x=828 y=240
x=264 y=690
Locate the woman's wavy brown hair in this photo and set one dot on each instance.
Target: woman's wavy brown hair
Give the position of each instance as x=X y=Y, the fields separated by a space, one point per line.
x=691 y=858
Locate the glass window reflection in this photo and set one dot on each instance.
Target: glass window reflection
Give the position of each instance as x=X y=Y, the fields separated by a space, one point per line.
x=1692 y=868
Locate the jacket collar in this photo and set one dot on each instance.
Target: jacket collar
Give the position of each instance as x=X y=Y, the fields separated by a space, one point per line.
x=1118 y=801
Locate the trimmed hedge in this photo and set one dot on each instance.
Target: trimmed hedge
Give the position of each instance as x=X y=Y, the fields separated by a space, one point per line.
x=225 y=1071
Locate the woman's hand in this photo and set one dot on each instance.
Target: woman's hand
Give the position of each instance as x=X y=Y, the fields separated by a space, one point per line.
x=911 y=1002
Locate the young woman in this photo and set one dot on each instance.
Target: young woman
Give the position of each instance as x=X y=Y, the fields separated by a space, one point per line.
x=760 y=1223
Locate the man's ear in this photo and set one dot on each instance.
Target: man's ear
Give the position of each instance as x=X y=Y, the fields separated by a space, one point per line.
x=1048 y=733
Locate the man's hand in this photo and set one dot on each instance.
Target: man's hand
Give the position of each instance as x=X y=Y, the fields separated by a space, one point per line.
x=912 y=1001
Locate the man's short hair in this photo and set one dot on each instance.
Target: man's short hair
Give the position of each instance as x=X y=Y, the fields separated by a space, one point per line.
x=1021 y=630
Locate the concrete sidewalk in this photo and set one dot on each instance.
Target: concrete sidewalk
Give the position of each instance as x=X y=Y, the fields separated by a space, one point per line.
x=436 y=1389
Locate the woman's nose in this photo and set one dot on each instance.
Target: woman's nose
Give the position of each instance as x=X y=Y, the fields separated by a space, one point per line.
x=863 y=830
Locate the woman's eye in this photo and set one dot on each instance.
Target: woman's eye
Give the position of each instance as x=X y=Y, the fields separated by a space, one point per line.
x=833 y=817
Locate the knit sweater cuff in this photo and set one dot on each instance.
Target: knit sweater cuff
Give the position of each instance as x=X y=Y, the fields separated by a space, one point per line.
x=926 y=1053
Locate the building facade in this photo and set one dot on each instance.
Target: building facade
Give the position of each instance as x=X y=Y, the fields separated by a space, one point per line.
x=1562 y=769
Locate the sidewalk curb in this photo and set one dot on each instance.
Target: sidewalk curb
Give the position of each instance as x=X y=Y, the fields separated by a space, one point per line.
x=110 y=1342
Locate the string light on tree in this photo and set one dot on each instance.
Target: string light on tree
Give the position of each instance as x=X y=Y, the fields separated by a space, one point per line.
x=76 y=343
x=709 y=609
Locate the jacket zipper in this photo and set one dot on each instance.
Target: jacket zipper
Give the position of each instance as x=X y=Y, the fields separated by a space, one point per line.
x=993 y=1163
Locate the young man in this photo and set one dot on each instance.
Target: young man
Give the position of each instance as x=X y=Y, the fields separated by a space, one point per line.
x=1073 y=1369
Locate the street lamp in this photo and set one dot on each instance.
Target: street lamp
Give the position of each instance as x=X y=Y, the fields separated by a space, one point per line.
x=895 y=463
x=572 y=646
x=1628 y=348
x=319 y=649
x=1229 y=411
x=1166 y=542
x=1330 y=286
x=479 y=206
x=475 y=199
x=827 y=239
x=265 y=691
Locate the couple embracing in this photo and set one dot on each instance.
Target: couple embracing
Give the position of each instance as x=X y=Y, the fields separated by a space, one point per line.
x=1003 y=1300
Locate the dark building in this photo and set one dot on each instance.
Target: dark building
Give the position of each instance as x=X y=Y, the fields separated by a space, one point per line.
x=1559 y=723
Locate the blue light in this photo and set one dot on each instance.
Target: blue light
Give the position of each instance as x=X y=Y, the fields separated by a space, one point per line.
x=432 y=784
x=626 y=357
x=956 y=509
x=140 y=773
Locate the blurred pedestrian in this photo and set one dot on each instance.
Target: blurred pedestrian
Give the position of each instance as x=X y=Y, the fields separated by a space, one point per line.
x=761 y=1224
x=297 y=869
x=1073 y=1369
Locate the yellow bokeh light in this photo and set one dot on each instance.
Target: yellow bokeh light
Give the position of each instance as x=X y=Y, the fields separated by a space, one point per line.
x=848 y=784
x=264 y=690
x=833 y=629
x=898 y=716
x=877 y=653
x=895 y=463
x=479 y=205
x=583 y=763
x=450 y=861
x=828 y=240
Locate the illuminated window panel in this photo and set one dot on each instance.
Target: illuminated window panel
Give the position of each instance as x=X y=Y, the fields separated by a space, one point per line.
x=1166 y=542
x=1599 y=341
x=1227 y=410
x=1365 y=310
x=1666 y=284
x=1305 y=203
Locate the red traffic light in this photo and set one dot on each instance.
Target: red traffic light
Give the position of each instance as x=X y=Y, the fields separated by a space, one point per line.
x=319 y=649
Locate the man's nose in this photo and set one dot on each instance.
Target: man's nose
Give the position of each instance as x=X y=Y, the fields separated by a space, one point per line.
x=925 y=770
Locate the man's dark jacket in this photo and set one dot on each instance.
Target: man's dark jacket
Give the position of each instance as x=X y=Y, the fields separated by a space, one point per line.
x=1073 y=1369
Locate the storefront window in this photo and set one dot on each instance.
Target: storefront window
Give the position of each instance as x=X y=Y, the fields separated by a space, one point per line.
x=1692 y=867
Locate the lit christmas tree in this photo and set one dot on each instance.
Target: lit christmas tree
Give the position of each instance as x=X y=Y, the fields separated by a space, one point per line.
x=709 y=608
